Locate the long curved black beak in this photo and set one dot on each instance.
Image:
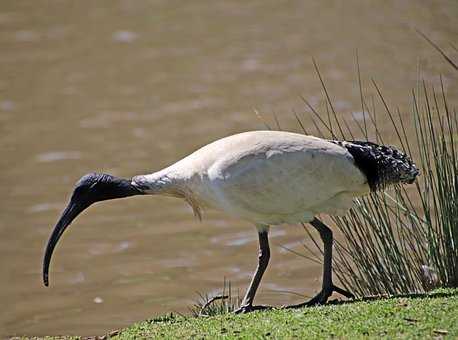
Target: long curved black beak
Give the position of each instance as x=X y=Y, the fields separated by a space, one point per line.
x=72 y=210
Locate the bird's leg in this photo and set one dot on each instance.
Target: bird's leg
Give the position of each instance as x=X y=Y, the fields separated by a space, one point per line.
x=327 y=286
x=263 y=261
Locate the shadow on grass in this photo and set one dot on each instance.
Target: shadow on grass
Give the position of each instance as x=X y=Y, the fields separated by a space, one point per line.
x=429 y=295
x=434 y=294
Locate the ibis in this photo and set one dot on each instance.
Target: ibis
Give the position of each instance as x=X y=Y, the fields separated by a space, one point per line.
x=264 y=177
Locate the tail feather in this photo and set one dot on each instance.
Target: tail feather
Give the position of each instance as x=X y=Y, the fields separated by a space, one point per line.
x=382 y=165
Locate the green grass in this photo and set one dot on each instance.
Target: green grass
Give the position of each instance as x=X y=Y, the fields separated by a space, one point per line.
x=424 y=316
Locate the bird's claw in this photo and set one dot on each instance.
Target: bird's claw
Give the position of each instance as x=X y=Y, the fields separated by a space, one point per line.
x=343 y=292
x=250 y=308
x=322 y=297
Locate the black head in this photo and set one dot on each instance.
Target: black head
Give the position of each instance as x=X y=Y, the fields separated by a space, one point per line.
x=89 y=189
x=96 y=187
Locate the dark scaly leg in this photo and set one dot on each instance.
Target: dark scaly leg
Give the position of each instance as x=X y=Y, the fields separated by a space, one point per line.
x=263 y=261
x=327 y=286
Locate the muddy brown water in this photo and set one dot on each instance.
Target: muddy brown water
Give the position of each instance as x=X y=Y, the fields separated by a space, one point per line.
x=128 y=87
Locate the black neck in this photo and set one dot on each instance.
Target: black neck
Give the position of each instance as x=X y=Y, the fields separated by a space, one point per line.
x=111 y=187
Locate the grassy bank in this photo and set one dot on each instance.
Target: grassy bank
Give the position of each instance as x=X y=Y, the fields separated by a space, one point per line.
x=428 y=316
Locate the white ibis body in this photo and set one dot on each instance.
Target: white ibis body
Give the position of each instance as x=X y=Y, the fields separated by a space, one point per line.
x=265 y=177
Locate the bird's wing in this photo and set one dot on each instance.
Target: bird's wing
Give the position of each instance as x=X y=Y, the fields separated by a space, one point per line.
x=285 y=176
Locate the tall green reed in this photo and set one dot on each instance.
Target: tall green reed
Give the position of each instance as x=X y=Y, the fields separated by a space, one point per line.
x=401 y=240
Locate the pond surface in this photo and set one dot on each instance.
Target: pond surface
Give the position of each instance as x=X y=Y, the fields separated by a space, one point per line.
x=129 y=87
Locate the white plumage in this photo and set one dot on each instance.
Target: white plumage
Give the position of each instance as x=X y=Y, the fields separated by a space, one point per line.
x=266 y=177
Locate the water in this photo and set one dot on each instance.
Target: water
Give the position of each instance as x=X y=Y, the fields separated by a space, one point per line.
x=128 y=87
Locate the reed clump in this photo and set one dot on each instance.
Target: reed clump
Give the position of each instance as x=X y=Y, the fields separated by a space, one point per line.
x=403 y=240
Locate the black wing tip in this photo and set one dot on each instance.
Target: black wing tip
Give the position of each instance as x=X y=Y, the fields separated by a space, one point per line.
x=381 y=164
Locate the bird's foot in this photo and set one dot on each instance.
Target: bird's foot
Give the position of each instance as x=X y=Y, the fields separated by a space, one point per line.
x=250 y=308
x=343 y=292
x=322 y=297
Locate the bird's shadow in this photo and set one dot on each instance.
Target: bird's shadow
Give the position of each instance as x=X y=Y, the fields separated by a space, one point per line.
x=386 y=296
